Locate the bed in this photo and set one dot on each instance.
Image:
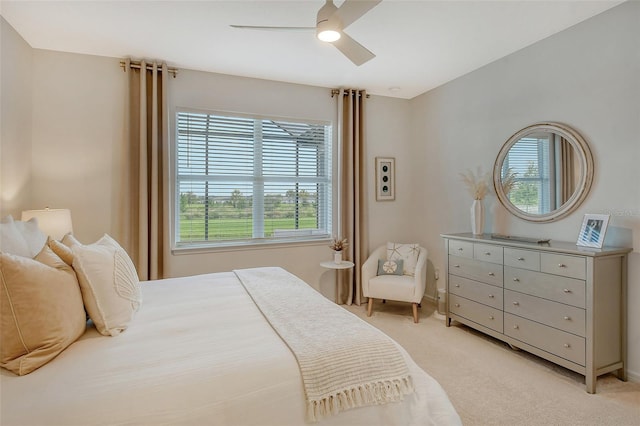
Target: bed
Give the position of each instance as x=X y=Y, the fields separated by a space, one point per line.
x=200 y=350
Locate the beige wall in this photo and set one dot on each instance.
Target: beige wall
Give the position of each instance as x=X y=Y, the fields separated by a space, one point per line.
x=78 y=127
x=586 y=77
x=16 y=63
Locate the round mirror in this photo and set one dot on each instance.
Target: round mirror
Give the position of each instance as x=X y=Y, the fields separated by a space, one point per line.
x=543 y=172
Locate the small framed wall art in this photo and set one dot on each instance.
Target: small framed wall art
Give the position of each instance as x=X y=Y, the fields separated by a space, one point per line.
x=594 y=227
x=385 y=179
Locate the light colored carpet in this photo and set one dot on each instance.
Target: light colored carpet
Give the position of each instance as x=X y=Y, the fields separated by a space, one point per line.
x=491 y=384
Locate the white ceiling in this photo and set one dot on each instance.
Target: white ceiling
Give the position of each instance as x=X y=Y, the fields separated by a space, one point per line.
x=419 y=44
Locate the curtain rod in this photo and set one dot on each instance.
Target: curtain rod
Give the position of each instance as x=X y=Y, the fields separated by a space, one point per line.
x=335 y=92
x=136 y=65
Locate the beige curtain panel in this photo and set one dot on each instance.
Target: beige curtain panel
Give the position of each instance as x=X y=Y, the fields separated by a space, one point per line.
x=568 y=180
x=145 y=220
x=353 y=201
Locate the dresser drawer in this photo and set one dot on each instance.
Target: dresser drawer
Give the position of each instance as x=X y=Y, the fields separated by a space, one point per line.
x=485 y=272
x=558 y=315
x=484 y=293
x=476 y=312
x=567 y=266
x=525 y=259
x=487 y=253
x=565 y=290
x=556 y=342
x=461 y=248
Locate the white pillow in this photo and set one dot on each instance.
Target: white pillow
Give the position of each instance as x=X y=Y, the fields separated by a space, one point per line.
x=407 y=252
x=109 y=284
x=11 y=240
x=34 y=236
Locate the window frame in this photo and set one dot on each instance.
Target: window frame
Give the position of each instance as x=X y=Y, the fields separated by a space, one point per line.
x=544 y=161
x=178 y=247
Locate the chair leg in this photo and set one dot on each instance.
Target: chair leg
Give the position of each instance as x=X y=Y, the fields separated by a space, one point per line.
x=415 y=312
x=369 y=306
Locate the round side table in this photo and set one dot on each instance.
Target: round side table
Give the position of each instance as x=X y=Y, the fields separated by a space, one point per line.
x=345 y=264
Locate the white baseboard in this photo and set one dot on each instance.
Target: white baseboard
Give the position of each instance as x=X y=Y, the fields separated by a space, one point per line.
x=632 y=376
x=430 y=298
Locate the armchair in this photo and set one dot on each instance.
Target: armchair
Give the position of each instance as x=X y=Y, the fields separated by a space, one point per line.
x=403 y=288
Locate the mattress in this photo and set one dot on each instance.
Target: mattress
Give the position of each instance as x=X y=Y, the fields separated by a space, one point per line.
x=198 y=352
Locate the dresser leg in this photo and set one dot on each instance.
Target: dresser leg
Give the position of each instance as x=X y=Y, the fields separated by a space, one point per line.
x=621 y=374
x=590 y=382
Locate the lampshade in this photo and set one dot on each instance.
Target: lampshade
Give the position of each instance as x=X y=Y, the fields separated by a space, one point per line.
x=56 y=223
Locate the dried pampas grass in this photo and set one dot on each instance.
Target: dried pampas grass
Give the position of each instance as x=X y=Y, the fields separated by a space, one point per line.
x=477 y=184
x=509 y=181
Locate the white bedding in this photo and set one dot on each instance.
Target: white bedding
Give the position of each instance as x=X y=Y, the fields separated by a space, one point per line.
x=198 y=352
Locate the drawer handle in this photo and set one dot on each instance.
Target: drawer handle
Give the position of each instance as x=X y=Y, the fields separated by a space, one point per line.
x=458 y=285
x=566 y=290
x=521 y=259
x=561 y=265
x=491 y=274
x=567 y=318
x=490 y=317
x=487 y=253
x=456 y=266
x=460 y=249
x=517 y=280
x=566 y=345
x=457 y=305
x=516 y=303
x=491 y=296
x=515 y=327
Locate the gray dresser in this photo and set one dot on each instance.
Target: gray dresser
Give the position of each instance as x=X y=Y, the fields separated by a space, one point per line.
x=556 y=300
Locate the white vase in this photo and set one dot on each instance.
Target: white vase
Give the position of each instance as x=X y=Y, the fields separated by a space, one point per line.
x=477 y=217
x=337 y=257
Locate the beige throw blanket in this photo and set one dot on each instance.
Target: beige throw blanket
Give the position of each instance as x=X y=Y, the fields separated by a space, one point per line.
x=344 y=362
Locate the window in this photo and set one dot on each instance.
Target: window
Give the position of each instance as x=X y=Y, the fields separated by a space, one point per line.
x=530 y=159
x=248 y=180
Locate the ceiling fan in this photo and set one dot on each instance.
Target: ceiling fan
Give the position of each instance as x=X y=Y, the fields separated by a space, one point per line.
x=330 y=24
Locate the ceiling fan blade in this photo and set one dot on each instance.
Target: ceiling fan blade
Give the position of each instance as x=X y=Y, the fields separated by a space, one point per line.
x=264 y=28
x=352 y=10
x=357 y=53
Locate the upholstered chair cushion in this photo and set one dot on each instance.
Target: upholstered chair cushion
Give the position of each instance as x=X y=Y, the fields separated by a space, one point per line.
x=408 y=253
x=393 y=287
x=390 y=267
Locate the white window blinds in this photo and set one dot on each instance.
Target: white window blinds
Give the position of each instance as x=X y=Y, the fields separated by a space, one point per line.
x=251 y=179
x=530 y=159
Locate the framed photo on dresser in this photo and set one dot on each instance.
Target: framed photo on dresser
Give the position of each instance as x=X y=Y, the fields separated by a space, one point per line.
x=594 y=227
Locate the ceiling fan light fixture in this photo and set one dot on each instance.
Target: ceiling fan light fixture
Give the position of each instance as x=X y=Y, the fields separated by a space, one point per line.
x=328 y=35
x=328 y=25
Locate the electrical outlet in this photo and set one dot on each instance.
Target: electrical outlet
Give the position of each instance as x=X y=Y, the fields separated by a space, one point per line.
x=436 y=274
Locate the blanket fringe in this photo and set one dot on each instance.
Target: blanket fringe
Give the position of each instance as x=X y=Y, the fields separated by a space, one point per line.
x=358 y=396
